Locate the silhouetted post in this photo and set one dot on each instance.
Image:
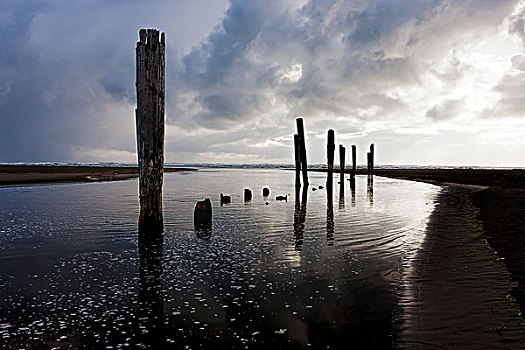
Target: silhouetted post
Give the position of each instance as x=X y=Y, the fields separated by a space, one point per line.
x=302 y=143
x=247 y=195
x=330 y=149
x=372 y=151
x=150 y=127
x=354 y=165
x=297 y=149
x=368 y=168
x=342 y=152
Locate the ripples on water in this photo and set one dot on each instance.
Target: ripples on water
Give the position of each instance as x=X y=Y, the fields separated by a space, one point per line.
x=312 y=272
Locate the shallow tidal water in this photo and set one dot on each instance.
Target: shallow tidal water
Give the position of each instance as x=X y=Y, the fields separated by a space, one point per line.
x=305 y=273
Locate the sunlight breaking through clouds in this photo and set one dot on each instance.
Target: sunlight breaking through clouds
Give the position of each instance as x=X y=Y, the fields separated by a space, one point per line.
x=241 y=74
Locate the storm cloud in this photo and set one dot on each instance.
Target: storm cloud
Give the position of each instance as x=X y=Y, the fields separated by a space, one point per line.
x=395 y=72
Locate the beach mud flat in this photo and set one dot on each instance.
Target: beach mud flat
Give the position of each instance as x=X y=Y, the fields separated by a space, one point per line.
x=457 y=291
x=14 y=175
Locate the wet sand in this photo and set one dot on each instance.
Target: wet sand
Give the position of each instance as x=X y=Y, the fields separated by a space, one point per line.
x=16 y=175
x=457 y=291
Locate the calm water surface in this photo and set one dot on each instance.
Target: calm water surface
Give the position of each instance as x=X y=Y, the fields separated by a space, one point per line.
x=312 y=272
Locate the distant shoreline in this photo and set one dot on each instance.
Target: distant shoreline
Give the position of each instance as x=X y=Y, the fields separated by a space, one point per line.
x=20 y=175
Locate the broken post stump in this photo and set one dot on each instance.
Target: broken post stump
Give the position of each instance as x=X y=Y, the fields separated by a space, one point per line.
x=202 y=213
x=297 y=153
x=330 y=149
x=149 y=114
x=342 y=152
x=302 y=144
x=247 y=195
x=266 y=192
x=225 y=199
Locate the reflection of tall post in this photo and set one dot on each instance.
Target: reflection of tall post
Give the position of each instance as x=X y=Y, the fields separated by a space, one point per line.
x=297 y=153
x=370 y=189
x=354 y=166
x=302 y=143
x=353 y=195
x=330 y=150
x=299 y=218
x=150 y=127
x=330 y=220
x=151 y=302
x=342 y=152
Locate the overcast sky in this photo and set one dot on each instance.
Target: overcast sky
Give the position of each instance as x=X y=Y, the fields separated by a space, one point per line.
x=428 y=81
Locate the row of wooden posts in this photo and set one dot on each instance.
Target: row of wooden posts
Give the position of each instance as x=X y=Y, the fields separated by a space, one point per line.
x=150 y=85
x=301 y=163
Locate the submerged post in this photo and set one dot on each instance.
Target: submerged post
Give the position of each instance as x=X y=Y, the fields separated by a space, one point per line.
x=342 y=151
x=297 y=153
x=150 y=127
x=354 y=165
x=302 y=144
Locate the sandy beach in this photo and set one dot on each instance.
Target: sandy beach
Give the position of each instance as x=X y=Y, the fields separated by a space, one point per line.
x=12 y=175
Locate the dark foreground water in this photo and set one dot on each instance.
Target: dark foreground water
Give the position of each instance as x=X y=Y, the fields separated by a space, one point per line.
x=314 y=272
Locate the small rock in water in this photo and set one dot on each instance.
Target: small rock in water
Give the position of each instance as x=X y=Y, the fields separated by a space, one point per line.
x=314 y=189
x=266 y=203
x=282 y=198
x=266 y=192
x=321 y=187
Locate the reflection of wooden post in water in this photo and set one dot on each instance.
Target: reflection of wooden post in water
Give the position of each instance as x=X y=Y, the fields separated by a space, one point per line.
x=352 y=188
x=150 y=127
x=151 y=301
x=302 y=144
x=342 y=152
x=370 y=189
x=330 y=220
x=299 y=218
x=330 y=150
x=297 y=153
x=354 y=167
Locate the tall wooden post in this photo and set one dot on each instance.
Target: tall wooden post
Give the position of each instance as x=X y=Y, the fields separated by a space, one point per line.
x=372 y=150
x=302 y=143
x=342 y=152
x=150 y=127
x=354 y=165
x=330 y=149
x=368 y=169
x=297 y=152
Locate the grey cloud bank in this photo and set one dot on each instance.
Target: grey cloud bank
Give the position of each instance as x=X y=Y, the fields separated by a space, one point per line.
x=430 y=82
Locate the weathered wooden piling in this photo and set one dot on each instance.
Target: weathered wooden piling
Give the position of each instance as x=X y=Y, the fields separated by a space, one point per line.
x=247 y=195
x=354 y=165
x=150 y=86
x=368 y=166
x=330 y=150
x=302 y=144
x=297 y=153
x=372 y=151
x=266 y=192
x=342 y=152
